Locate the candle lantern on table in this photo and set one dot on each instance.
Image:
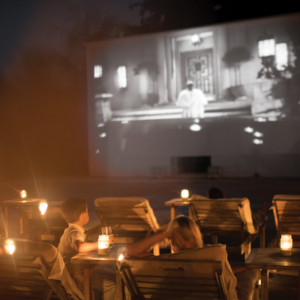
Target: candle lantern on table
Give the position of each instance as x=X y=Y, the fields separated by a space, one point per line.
x=9 y=247
x=43 y=206
x=23 y=194
x=103 y=245
x=184 y=195
x=286 y=245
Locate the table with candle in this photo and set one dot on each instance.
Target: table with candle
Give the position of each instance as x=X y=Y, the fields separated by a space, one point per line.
x=174 y=203
x=268 y=259
x=39 y=209
x=90 y=259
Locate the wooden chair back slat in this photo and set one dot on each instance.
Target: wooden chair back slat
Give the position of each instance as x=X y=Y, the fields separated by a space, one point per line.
x=133 y=215
x=21 y=281
x=172 y=279
x=286 y=210
x=21 y=278
x=223 y=217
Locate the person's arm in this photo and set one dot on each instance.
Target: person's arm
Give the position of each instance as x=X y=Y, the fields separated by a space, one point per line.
x=139 y=249
x=87 y=247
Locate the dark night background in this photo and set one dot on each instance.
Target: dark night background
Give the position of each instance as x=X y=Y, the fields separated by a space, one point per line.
x=43 y=108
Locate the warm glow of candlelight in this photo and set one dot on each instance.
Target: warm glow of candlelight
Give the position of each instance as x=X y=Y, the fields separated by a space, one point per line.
x=286 y=245
x=43 y=207
x=103 y=242
x=10 y=247
x=121 y=257
x=23 y=194
x=286 y=242
x=184 y=194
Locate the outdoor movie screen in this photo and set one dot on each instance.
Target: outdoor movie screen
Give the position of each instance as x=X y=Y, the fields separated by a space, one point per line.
x=241 y=70
x=229 y=92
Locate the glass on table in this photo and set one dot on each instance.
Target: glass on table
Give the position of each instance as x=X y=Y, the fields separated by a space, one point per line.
x=107 y=230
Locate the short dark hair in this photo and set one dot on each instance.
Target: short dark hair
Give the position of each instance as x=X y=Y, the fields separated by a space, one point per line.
x=215 y=193
x=72 y=208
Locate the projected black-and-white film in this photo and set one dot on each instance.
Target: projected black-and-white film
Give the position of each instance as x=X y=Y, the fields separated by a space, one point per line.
x=234 y=80
x=225 y=71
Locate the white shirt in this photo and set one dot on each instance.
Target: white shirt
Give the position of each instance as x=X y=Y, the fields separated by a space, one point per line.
x=67 y=250
x=192 y=103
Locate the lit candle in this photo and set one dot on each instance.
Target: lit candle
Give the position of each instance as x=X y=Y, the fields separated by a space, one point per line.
x=121 y=257
x=23 y=194
x=286 y=244
x=43 y=206
x=103 y=245
x=10 y=247
x=184 y=195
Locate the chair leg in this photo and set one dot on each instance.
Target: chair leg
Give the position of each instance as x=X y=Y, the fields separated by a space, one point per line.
x=156 y=250
x=214 y=239
x=262 y=237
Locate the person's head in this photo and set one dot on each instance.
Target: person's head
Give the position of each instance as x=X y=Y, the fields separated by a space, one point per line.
x=190 y=84
x=185 y=234
x=215 y=193
x=74 y=209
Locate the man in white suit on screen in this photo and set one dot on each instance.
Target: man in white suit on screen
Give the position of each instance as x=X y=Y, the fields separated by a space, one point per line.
x=192 y=101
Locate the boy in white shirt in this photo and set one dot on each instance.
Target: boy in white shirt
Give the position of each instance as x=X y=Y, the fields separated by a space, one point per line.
x=75 y=212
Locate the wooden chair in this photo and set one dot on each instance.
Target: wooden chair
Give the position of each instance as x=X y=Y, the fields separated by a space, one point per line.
x=161 y=279
x=286 y=209
x=227 y=217
x=47 y=228
x=21 y=278
x=133 y=215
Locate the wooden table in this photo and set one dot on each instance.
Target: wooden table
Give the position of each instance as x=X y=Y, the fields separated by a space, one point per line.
x=90 y=259
x=174 y=203
x=271 y=259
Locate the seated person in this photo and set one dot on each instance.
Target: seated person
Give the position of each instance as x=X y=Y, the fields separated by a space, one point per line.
x=75 y=212
x=258 y=217
x=184 y=235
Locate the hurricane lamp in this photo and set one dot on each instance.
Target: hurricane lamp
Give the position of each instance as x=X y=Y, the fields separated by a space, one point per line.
x=184 y=195
x=103 y=245
x=286 y=245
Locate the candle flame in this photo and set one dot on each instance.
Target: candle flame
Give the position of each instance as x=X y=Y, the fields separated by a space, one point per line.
x=121 y=257
x=23 y=194
x=286 y=245
x=10 y=247
x=43 y=207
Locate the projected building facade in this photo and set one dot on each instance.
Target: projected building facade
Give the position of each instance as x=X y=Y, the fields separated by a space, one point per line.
x=247 y=73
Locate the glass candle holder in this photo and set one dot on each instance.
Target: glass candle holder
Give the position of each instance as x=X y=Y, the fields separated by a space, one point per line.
x=286 y=245
x=103 y=245
x=184 y=195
